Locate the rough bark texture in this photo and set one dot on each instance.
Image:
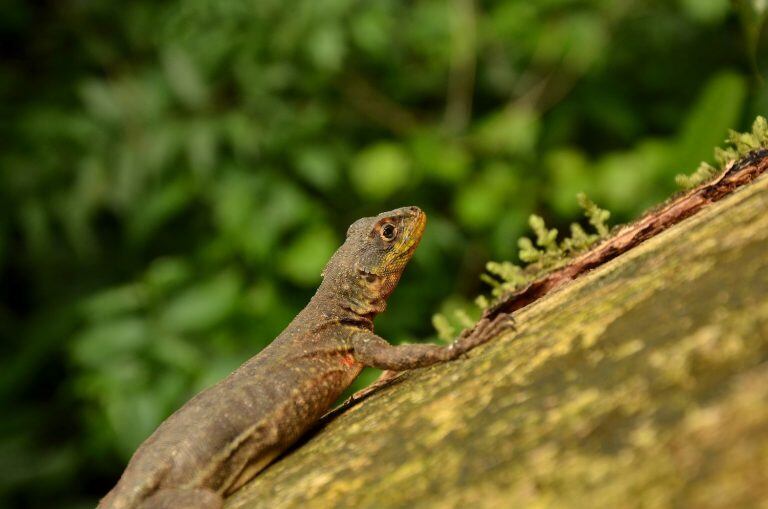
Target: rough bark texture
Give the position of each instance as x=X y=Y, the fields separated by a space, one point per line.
x=643 y=383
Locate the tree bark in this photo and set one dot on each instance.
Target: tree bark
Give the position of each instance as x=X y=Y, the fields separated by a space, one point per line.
x=643 y=383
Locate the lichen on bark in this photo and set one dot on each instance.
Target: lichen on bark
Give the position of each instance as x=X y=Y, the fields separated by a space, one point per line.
x=643 y=383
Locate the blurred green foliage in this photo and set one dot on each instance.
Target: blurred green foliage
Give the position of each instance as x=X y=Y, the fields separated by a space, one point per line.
x=174 y=175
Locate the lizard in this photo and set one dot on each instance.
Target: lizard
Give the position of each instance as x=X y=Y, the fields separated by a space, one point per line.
x=225 y=435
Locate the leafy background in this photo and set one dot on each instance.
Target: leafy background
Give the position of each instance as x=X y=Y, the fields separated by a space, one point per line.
x=174 y=175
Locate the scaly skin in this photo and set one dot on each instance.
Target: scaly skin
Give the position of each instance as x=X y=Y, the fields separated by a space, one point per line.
x=225 y=435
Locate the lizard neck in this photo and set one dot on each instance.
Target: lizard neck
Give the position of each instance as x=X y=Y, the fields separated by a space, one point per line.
x=356 y=298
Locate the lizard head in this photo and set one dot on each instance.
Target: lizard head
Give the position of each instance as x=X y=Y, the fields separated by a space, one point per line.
x=367 y=267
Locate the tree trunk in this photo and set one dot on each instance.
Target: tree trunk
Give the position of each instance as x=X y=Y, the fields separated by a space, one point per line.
x=643 y=383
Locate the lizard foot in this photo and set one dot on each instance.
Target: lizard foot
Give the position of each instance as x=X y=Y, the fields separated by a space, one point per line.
x=485 y=330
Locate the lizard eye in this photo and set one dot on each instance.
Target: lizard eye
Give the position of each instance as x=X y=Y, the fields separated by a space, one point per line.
x=388 y=232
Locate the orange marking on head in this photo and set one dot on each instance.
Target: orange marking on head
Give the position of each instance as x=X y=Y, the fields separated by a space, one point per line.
x=348 y=360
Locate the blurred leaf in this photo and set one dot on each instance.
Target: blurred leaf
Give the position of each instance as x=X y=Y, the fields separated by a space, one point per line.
x=133 y=419
x=717 y=109
x=242 y=133
x=510 y=226
x=569 y=175
x=577 y=41
x=513 y=21
x=621 y=178
x=261 y=298
x=106 y=340
x=165 y=274
x=440 y=159
x=159 y=207
x=304 y=259
x=371 y=29
x=35 y=226
x=318 y=167
x=215 y=370
x=708 y=11
x=511 y=131
x=176 y=353
x=281 y=207
x=201 y=147
x=100 y=100
x=234 y=201
x=326 y=47
x=203 y=305
x=114 y=301
x=380 y=170
x=483 y=199
x=183 y=77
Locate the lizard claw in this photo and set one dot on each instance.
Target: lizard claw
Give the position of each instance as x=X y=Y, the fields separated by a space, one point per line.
x=484 y=331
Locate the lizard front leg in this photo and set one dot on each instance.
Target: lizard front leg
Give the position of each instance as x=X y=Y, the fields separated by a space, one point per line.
x=372 y=350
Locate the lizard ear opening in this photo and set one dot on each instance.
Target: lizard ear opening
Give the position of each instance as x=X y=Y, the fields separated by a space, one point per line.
x=365 y=274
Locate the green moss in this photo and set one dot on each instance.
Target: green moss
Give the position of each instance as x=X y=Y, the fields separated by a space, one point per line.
x=598 y=217
x=442 y=325
x=703 y=173
x=738 y=145
x=545 y=255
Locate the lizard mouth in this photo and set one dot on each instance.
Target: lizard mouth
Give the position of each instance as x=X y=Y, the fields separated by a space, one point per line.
x=414 y=230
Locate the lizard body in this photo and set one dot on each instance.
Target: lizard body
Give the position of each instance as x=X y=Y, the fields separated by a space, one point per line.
x=225 y=435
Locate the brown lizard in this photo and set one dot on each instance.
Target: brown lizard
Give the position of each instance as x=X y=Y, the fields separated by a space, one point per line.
x=225 y=435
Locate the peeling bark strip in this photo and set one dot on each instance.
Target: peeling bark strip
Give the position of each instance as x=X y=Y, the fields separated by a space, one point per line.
x=736 y=175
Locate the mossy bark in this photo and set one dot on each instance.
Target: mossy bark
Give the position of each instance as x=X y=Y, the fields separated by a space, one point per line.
x=642 y=384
